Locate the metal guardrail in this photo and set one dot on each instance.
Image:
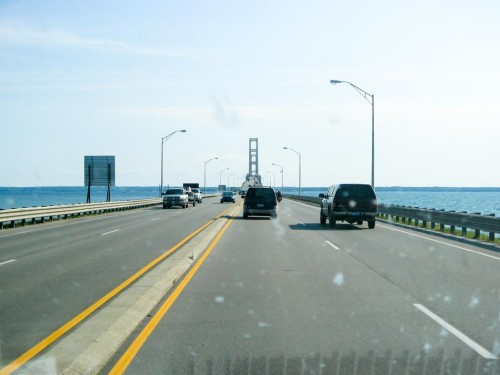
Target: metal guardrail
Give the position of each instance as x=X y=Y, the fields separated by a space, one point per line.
x=21 y=215
x=14 y=216
x=474 y=221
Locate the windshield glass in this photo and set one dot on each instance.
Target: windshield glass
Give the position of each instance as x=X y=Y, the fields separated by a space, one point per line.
x=175 y=192
x=111 y=110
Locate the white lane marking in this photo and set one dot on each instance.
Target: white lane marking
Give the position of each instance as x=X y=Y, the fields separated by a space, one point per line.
x=16 y=234
x=441 y=242
x=155 y=218
x=332 y=245
x=303 y=204
x=81 y=220
x=471 y=343
x=8 y=261
x=116 y=230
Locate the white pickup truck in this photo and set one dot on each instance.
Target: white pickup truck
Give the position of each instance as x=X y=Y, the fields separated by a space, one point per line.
x=175 y=197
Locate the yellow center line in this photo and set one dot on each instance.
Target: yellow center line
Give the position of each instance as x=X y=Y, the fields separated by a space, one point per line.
x=136 y=345
x=57 y=334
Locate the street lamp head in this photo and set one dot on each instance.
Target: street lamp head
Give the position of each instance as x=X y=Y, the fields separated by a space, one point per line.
x=285 y=148
x=183 y=131
x=334 y=81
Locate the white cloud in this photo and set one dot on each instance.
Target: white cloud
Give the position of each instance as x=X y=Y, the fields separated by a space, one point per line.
x=58 y=38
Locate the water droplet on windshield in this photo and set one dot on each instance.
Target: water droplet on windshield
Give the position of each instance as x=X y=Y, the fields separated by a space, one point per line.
x=427 y=347
x=338 y=279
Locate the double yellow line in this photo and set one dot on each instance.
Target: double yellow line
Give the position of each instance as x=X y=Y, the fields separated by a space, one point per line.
x=56 y=335
x=134 y=348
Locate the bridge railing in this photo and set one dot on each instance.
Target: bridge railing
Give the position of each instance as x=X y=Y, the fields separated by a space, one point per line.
x=22 y=215
x=416 y=215
x=14 y=216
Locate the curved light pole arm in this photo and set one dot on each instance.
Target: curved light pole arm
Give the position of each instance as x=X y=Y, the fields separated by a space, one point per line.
x=300 y=167
x=367 y=97
x=205 y=174
x=163 y=140
x=279 y=166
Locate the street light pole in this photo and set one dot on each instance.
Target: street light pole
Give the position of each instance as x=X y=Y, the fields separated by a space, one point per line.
x=298 y=153
x=205 y=175
x=279 y=166
x=163 y=140
x=274 y=175
x=220 y=176
x=229 y=187
x=367 y=97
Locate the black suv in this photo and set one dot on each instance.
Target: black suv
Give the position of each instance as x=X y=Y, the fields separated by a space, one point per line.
x=260 y=201
x=353 y=203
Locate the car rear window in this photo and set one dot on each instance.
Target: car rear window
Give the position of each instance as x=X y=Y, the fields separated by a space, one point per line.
x=174 y=191
x=356 y=191
x=264 y=194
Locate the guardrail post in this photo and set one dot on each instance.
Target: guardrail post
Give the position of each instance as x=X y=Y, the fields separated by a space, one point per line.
x=491 y=234
x=477 y=232
x=452 y=227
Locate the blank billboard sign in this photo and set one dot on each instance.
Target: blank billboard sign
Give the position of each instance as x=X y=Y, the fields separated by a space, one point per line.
x=100 y=170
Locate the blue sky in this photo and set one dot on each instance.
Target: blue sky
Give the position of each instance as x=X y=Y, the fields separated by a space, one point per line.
x=112 y=78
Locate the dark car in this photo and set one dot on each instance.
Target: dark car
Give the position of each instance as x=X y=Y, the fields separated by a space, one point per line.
x=227 y=196
x=260 y=201
x=353 y=203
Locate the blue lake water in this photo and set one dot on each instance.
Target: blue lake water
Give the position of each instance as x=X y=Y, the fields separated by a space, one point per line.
x=485 y=201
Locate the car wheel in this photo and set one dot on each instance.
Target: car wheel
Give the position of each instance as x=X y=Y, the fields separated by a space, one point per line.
x=322 y=218
x=332 y=221
x=194 y=203
x=371 y=224
x=360 y=222
x=164 y=206
x=245 y=215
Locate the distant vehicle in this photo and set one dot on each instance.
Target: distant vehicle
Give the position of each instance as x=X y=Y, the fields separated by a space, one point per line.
x=191 y=185
x=197 y=195
x=191 y=197
x=175 y=197
x=260 y=201
x=353 y=203
x=227 y=196
x=279 y=196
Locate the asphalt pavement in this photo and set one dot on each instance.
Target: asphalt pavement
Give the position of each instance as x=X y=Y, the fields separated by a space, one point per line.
x=290 y=296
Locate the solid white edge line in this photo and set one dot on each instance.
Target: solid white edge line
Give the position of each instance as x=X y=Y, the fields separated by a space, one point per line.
x=332 y=245
x=469 y=342
x=441 y=242
x=8 y=261
x=116 y=230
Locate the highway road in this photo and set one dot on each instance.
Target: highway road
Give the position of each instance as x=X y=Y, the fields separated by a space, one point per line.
x=285 y=296
x=292 y=296
x=50 y=273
